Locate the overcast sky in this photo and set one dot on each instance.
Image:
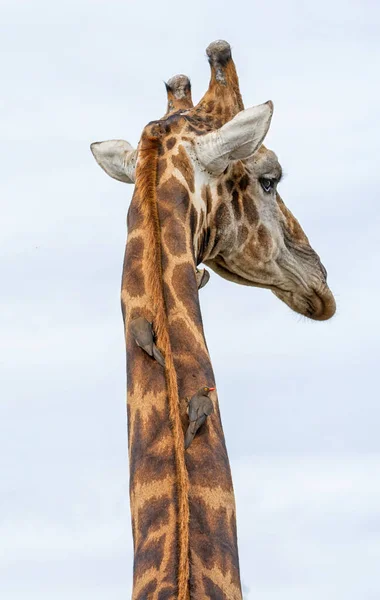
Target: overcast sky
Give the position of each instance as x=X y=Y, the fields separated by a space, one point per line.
x=299 y=400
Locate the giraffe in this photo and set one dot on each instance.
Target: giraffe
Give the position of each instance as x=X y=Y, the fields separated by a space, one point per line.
x=205 y=192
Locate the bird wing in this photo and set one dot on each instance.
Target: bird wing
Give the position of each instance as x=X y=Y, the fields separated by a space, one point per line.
x=202 y=407
x=208 y=407
x=195 y=425
x=194 y=408
x=142 y=332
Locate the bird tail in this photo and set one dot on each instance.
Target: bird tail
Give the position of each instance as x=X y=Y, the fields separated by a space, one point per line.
x=189 y=437
x=158 y=356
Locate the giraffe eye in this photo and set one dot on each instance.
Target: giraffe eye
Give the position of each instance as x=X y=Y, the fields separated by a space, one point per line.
x=267 y=184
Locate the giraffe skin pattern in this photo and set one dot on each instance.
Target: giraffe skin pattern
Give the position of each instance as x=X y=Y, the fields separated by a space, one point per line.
x=182 y=501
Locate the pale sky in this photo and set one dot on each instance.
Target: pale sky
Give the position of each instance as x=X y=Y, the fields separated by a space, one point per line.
x=299 y=400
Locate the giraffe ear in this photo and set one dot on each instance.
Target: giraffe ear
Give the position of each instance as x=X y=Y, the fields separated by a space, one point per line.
x=117 y=158
x=236 y=140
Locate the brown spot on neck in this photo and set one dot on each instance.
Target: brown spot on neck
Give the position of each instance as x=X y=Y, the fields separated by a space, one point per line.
x=170 y=143
x=182 y=162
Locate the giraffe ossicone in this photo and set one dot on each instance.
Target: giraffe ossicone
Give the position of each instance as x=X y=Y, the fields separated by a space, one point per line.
x=178 y=90
x=205 y=192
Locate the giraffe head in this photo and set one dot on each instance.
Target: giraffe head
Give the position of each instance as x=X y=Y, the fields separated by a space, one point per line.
x=212 y=158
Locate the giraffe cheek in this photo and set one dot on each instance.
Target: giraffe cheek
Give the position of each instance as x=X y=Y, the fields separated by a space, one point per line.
x=242 y=234
x=250 y=210
x=265 y=242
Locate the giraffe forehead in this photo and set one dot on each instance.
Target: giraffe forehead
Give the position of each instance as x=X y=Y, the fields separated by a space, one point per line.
x=172 y=124
x=183 y=124
x=265 y=162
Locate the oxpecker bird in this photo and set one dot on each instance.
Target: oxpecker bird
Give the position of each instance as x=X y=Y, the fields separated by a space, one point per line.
x=203 y=277
x=200 y=407
x=142 y=331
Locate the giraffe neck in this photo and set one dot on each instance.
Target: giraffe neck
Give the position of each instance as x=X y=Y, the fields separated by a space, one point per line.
x=155 y=434
x=183 y=521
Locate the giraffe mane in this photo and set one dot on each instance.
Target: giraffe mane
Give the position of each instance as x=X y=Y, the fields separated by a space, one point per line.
x=146 y=181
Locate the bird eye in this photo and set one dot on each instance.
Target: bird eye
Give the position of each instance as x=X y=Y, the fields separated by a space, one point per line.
x=267 y=184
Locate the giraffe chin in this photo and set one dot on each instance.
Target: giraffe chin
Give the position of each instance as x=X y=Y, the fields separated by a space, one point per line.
x=317 y=305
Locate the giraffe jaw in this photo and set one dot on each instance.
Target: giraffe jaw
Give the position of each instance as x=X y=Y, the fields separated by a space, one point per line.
x=316 y=304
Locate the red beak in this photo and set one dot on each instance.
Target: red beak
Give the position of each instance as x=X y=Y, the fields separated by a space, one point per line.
x=211 y=389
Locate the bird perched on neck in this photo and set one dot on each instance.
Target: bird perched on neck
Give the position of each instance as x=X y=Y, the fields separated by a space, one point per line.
x=202 y=277
x=200 y=407
x=143 y=334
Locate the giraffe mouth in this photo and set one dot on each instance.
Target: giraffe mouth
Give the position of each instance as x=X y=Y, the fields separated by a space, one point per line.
x=318 y=305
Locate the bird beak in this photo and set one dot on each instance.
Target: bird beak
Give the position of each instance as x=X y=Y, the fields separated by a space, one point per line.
x=211 y=389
